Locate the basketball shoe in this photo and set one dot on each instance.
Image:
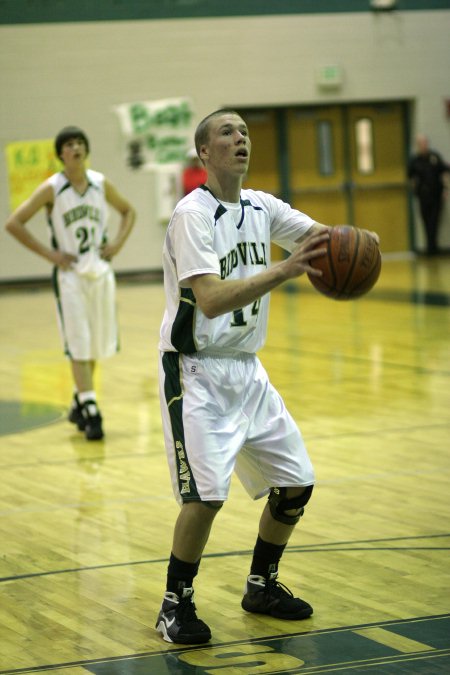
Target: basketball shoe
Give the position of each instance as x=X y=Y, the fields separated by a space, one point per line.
x=76 y=414
x=177 y=620
x=92 y=421
x=269 y=596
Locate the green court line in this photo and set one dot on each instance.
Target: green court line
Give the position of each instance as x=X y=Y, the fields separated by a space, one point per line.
x=307 y=548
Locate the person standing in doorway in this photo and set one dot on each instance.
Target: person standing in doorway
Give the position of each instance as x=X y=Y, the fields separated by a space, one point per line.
x=427 y=171
x=75 y=200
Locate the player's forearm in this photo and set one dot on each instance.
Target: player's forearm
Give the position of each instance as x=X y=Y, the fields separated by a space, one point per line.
x=216 y=297
x=225 y=296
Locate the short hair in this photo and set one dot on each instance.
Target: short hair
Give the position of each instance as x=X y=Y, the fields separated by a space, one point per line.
x=67 y=134
x=202 y=131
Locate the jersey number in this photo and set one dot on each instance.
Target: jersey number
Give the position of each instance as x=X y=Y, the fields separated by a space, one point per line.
x=82 y=233
x=238 y=314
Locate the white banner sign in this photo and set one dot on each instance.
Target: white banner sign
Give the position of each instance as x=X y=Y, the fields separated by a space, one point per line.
x=157 y=132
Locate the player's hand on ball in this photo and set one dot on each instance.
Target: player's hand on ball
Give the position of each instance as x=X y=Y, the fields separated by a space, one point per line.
x=352 y=265
x=313 y=246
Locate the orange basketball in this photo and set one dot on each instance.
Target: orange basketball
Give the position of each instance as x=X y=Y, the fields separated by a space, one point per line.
x=351 y=265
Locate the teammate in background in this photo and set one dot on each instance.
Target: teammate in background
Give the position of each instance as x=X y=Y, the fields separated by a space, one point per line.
x=428 y=172
x=75 y=201
x=194 y=173
x=220 y=412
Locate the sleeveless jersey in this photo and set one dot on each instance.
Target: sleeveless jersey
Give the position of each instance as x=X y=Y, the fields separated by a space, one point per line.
x=232 y=241
x=78 y=222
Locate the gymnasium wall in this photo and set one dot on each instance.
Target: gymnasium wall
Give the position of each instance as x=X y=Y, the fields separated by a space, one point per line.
x=53 y=74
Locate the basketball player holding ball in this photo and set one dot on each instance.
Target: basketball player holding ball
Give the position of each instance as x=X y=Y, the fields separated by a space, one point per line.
x=220 y=412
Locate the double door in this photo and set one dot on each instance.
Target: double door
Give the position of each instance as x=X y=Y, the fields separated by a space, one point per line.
x=343 y=164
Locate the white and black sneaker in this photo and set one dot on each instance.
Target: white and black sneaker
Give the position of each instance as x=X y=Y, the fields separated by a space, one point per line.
x=177 y=620
x=76 y=414
x=93 y=428
x=269 y=596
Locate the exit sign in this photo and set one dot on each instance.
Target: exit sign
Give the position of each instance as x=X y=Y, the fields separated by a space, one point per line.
x=330 y=76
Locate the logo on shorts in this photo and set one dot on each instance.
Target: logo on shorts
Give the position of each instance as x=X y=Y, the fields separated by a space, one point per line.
x=193 y=369
x=184 y=474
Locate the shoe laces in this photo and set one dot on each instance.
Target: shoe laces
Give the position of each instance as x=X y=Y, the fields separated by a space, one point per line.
x=276 y=589
x=186 y=609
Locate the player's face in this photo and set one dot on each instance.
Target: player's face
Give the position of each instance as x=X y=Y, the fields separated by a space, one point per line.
x=228 y=146
x=73 y=150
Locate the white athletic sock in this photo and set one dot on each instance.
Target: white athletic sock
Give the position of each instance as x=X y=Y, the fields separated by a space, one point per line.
x=84 y=396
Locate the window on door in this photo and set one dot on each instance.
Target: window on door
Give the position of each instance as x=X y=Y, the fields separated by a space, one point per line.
x=365 y=163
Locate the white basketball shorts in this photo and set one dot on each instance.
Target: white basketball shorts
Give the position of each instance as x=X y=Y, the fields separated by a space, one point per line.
x=222 y=414
x=87 y=314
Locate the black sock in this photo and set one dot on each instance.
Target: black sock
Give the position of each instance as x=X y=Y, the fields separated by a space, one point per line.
x=266 y=558
x=180 y=574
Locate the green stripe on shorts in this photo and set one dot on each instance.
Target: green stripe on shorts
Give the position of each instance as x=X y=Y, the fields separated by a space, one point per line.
x=173 y=391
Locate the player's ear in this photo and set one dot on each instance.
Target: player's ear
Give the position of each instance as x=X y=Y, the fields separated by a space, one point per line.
x=203 y=154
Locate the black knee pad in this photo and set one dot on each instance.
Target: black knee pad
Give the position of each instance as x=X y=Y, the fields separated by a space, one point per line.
x=279 y=504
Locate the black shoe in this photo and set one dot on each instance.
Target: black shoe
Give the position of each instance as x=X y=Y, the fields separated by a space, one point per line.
x=76 y=414
x=93 y=429
x=268 y=596
x=177 y=620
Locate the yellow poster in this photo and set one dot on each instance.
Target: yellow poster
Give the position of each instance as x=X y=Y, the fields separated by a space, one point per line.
x=29 y=164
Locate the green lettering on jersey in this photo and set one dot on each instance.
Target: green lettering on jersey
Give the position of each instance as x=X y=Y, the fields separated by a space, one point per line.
x=79 y=212
x=246 y=253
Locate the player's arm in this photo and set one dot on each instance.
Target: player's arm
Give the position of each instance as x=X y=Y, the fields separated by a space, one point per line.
x=127 y=218
x=216 y=296
x=16 y=226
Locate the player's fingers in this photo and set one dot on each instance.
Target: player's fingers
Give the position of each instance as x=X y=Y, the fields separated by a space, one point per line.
x=318 y=236
x=313 y=272
x=317 y=253
x=315 y=241
x=305 y=255
x=307 y=269
x=66 y=260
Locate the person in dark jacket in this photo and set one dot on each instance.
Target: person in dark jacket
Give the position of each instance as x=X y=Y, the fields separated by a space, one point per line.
x=427 y=172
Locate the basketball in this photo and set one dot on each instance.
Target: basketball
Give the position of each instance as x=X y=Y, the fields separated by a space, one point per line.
x=351 y=266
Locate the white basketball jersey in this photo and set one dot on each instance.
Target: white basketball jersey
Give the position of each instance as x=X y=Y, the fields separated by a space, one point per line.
x=232 y=241
x=78 y=221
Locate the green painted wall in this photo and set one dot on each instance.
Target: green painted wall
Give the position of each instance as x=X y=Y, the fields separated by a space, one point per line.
x=61 y=11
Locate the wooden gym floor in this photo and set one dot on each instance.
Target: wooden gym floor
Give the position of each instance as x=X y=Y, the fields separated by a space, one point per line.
x=85 y=528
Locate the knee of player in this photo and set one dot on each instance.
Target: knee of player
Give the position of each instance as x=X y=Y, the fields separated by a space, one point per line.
x=214 y=505
x=289 y=509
